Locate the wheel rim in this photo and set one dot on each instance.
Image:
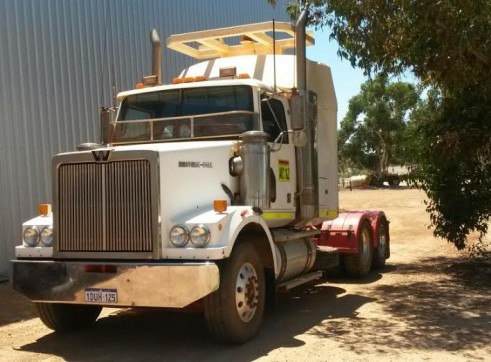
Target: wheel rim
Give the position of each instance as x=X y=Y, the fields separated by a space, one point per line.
x=246 y=292
x=382 y=240
x=365 y=242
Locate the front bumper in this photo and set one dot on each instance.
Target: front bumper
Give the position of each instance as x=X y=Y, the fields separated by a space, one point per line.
x=173 y=285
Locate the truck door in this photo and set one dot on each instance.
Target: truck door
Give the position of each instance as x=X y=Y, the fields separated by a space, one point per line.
x=282 y=173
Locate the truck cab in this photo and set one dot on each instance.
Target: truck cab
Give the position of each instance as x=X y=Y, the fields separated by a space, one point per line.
x=216 y=190
x=208 y=111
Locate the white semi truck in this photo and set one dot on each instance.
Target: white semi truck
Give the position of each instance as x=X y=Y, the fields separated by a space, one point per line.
x=215 y=191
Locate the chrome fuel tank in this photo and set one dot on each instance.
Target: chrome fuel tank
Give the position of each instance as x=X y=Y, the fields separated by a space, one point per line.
x=297 y=257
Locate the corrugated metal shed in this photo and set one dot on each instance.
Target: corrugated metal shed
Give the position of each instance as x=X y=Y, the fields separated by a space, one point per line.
x=59 y=61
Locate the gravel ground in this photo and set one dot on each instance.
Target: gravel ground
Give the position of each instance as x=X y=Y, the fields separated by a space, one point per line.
x=430 y=303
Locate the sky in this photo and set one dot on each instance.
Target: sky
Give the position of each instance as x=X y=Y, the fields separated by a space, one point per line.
x=347 y=80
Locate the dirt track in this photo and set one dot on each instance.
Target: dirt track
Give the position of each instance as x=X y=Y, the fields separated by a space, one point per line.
x=428 y=304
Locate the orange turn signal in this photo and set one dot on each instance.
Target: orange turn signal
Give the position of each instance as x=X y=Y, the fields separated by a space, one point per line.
x=199 y=78
x=139 y=86
x=44 y=209
x=220 y=205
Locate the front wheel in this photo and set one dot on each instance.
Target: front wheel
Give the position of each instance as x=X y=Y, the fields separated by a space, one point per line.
x=235 y=311
x=358 y=265
x=67 y=317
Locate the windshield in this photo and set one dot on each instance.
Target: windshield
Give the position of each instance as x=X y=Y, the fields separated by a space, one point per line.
x=168 y=115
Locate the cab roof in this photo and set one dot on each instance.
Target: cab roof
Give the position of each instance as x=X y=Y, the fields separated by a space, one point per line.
x=207 y=83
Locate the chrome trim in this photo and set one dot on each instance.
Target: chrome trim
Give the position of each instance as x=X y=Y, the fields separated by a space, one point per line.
x=138 y=285
x=186 y=230
x=35 y=229
x=105 y=237
x=43 y=241
x=191 y=118
x=207 y=232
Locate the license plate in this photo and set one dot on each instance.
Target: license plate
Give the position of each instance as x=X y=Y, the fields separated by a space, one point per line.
x=94 y=295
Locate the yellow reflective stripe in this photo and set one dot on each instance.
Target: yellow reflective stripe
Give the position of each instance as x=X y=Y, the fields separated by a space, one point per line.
x=277 y=215
x=328 y=213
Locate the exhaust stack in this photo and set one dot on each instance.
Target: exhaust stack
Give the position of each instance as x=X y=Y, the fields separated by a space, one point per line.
x=305 y=119
x=156 y=77
x=300 y=50
x=156 y=56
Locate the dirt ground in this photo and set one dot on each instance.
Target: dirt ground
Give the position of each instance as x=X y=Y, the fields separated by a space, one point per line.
x=430 y=303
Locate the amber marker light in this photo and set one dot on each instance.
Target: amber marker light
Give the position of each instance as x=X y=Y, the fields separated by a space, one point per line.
x=44 y=209
x=139 y=86
x=220 y=205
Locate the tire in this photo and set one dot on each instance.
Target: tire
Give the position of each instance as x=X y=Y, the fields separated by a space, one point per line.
x=381 y=252
x=235 y=311
x=376 y=181
x=358 y=265
x=394 y=182
x=67 y=317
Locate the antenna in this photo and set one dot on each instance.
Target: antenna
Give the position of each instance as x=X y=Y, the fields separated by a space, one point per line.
x=274 y=58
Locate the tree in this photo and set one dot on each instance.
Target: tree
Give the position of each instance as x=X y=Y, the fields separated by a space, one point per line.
x=446 y=44
x=372 y=132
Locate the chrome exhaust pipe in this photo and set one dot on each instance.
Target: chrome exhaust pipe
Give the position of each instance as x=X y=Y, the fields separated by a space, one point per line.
x=300 y=50
x=306 y=156
x=156 y=56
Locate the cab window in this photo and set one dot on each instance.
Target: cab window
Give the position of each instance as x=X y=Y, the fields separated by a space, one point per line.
x=273 y=118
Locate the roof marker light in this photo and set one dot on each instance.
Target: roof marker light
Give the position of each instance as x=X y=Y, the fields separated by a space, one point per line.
x=228 y=72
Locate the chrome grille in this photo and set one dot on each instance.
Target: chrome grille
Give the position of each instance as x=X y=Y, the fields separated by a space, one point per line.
x=104 y=207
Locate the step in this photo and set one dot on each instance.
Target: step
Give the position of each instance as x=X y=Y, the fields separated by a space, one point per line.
x=290 y=284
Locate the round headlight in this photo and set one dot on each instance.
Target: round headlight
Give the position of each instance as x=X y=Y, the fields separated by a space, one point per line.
x=200 y=235
x=179 y=235
x=47 y=236
x=31 y=235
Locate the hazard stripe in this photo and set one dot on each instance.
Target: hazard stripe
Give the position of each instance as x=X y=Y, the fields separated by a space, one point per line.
x=328 y=213
x=278 y=215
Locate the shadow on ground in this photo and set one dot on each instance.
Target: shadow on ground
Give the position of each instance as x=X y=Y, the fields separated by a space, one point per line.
x=152 y=334
x=449 y=312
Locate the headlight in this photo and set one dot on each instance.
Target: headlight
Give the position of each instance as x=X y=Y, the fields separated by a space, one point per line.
x=200 y=235
x=179 y=235
x=31 y=236
x=47 y=236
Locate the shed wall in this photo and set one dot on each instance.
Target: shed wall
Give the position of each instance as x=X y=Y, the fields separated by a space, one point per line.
x=60 y=60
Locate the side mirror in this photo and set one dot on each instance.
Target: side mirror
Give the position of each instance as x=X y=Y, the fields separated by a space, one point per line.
x=105 y=122
x=297 y=105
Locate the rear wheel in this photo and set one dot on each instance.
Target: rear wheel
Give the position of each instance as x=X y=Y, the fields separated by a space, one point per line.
x=358 y=265
x=235 y=311
x=67 y=317
x=382 y=250
x=394 y=182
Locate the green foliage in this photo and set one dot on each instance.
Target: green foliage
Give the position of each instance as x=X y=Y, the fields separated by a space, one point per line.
x=446 y=44
x=455 y=161
x=439 y=40
x=372 y=132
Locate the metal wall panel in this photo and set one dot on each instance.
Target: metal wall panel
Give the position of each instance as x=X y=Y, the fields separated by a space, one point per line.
x=59 y=62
